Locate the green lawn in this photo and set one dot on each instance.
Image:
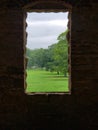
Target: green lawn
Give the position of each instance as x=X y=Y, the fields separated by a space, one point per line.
x=44 y=81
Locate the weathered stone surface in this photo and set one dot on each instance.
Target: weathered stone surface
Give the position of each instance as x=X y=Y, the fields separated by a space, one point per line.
x=19 y=111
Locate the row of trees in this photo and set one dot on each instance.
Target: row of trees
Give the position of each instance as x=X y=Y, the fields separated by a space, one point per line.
x=54 y=58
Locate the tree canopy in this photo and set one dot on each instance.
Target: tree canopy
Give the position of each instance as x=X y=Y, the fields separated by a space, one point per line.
x=54 y=58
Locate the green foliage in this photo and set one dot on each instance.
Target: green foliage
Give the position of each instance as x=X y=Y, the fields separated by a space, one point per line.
x=61 y=53
x=55 y=58
x=29 y=55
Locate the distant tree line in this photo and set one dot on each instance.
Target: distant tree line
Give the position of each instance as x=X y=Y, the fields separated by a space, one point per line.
x=54 y=58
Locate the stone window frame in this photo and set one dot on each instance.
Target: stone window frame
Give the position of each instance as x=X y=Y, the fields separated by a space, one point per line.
x=68 y=8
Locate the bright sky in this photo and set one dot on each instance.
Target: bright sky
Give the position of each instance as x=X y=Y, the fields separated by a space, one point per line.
x=44 y=28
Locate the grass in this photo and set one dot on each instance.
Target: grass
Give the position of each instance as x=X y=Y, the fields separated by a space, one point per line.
x=44 y=81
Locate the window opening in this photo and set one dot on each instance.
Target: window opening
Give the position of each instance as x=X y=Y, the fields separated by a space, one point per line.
x=47 y=53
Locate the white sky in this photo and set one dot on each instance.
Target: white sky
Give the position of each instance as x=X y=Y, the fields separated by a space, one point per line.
x=44 y=28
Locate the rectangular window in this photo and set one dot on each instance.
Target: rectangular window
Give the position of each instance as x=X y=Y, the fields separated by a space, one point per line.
x=47 y=53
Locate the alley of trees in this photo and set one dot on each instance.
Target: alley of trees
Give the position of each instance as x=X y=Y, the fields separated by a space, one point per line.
x=54 y=58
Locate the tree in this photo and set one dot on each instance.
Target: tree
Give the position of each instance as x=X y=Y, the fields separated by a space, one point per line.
x=28 y=54
x=61 y=54
x=55 y=58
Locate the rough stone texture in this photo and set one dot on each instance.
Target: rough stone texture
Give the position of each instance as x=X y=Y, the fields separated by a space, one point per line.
x=19 y=111
x=11 y=67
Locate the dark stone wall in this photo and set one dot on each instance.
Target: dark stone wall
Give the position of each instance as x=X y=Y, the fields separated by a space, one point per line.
x=19 y=111
x=12 y=104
